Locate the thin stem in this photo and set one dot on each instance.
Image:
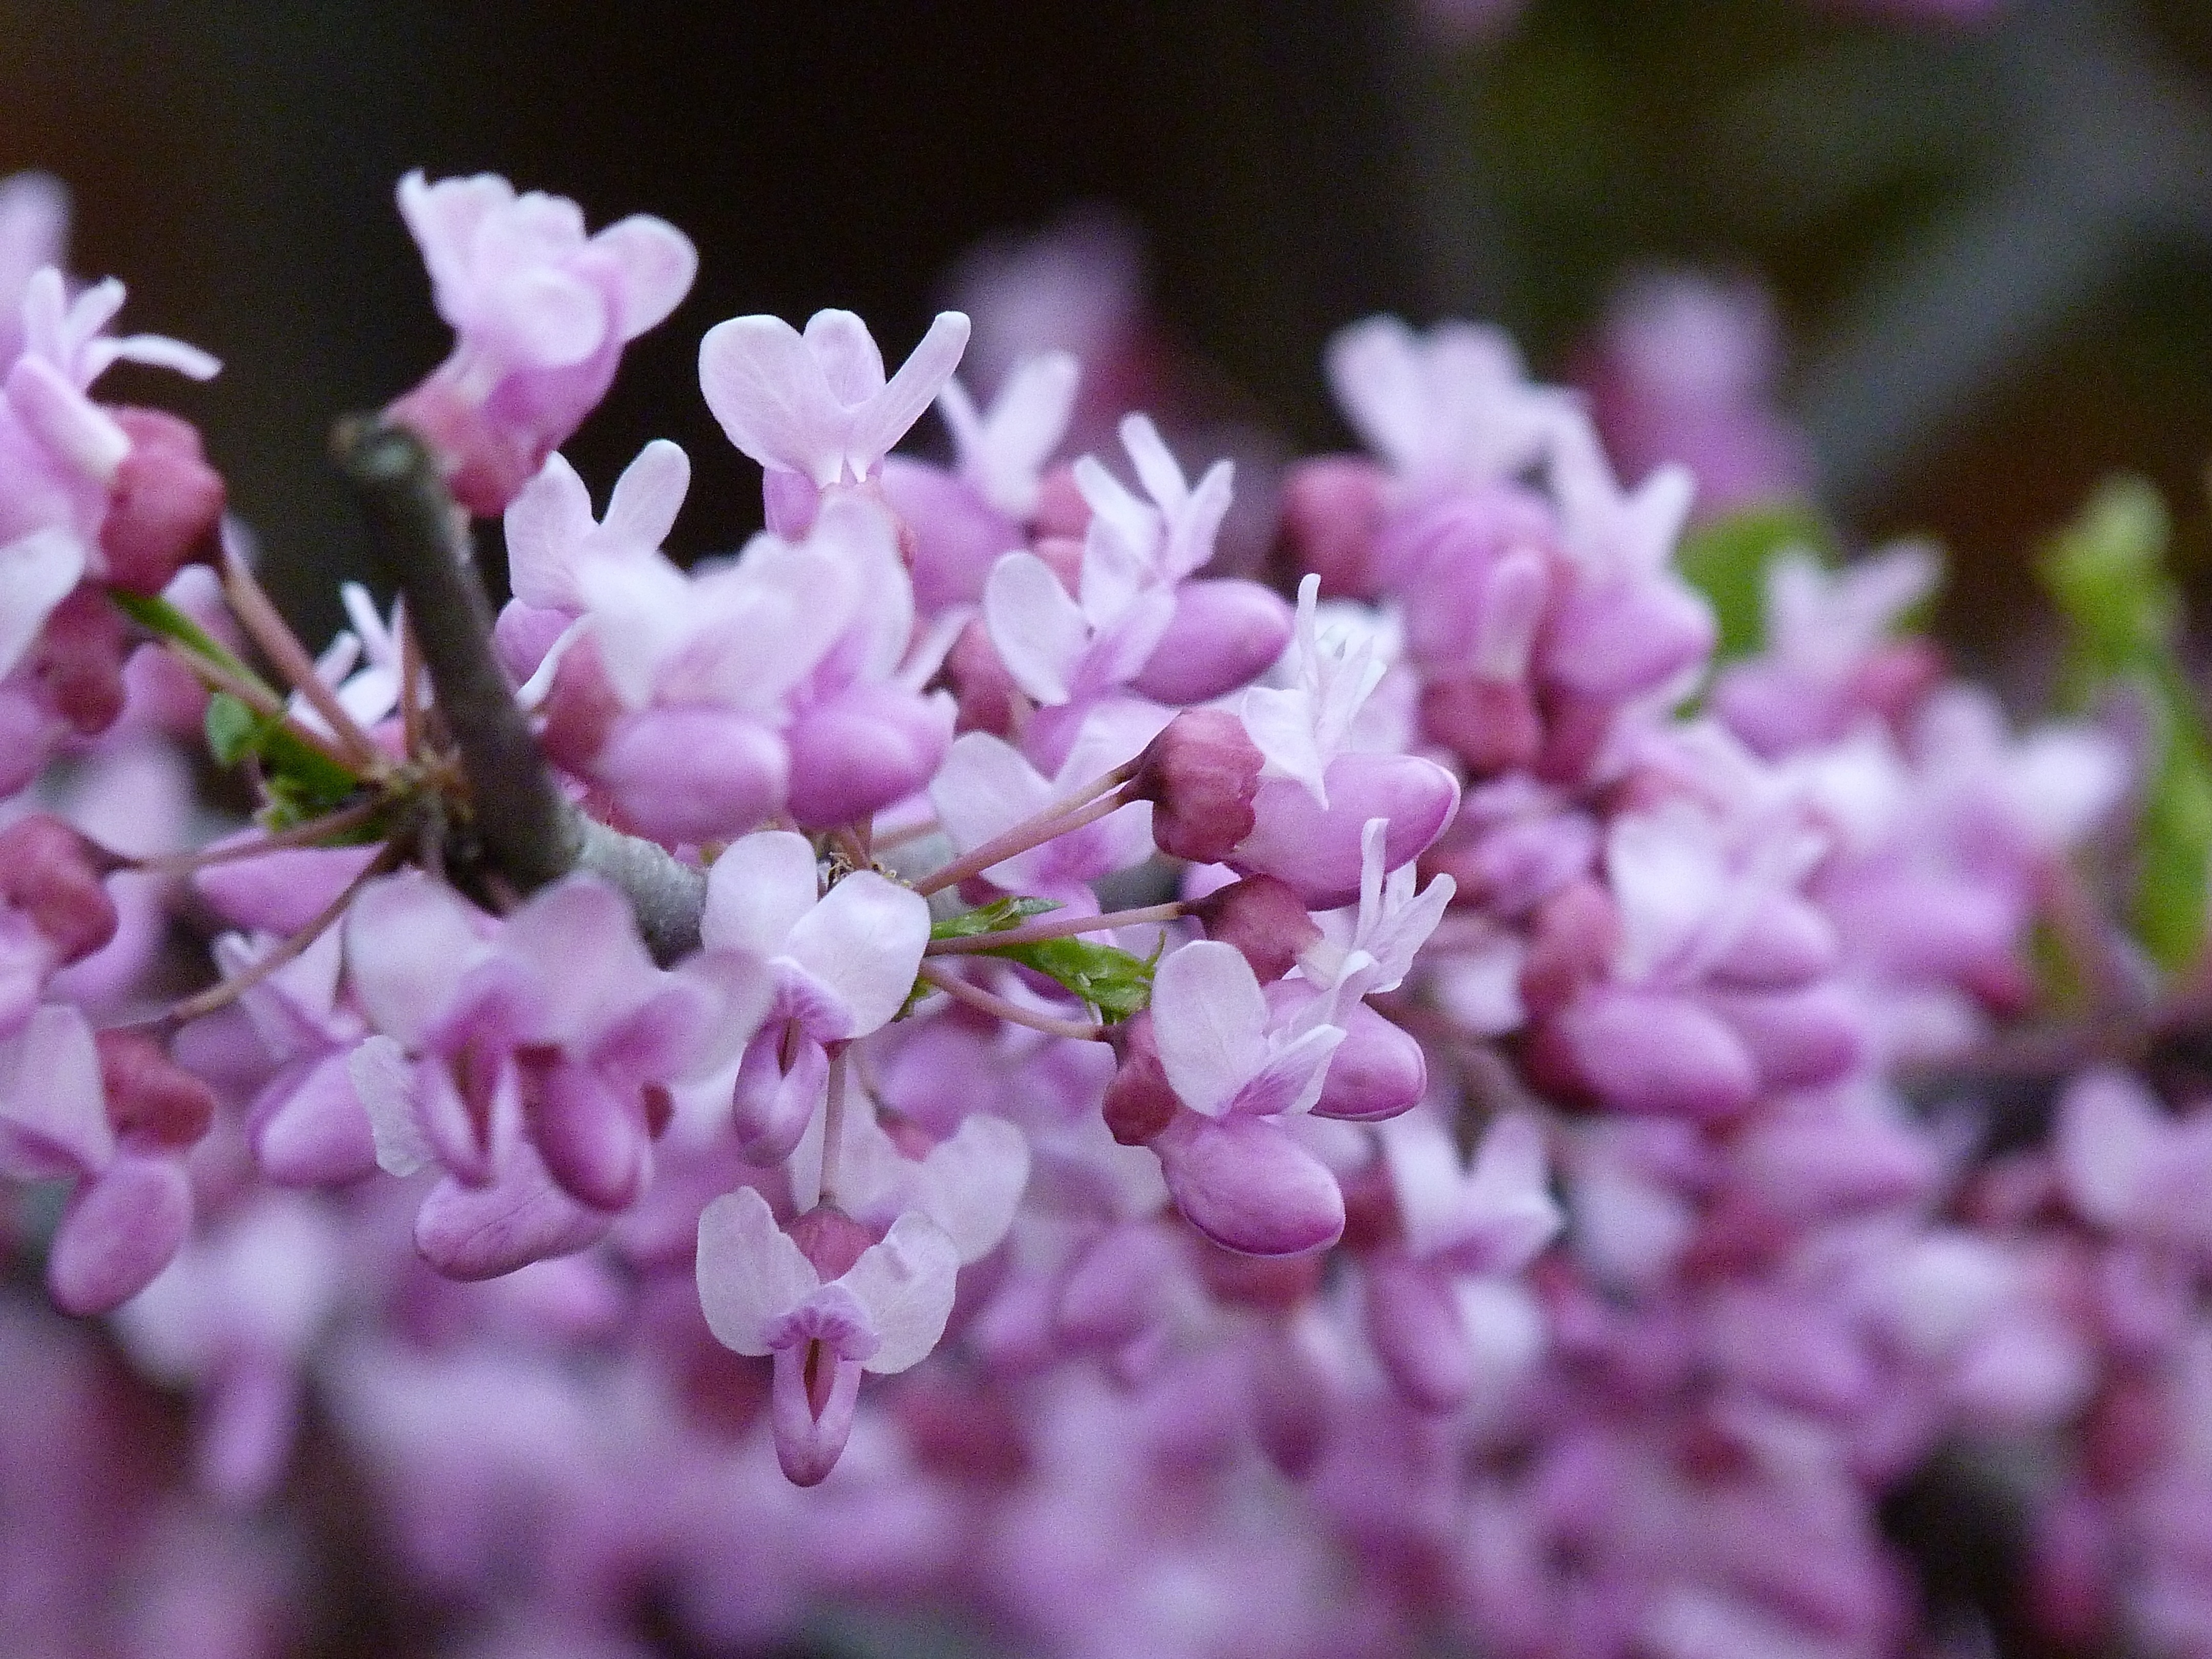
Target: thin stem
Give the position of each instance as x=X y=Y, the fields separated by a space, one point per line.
x=225 y=991
x=275 y=841
x=1047 y=927
x=884 y=840
x=833 y=1126
x=219 y=676
x=975 y=996
x=1058 y=819
x=410 y=680
x=257 y=614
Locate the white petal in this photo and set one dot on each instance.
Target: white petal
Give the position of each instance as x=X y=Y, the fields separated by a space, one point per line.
x=1209 y=1020
x=906 y=1283
x=865 y=940
x=757 y=891
x=1039 y=630
x=383 y=1077
x=36 y=574
x=750 y=1273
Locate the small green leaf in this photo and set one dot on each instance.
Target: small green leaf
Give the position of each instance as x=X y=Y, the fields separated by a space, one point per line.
x=234 y=731
x=1115 y=982
x=1727 y=561
x=2107 y=572
x=993 y=918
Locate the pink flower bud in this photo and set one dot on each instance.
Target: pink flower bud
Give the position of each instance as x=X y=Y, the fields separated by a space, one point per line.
x=51 y=873
x=1247 y=1184
x=1224 y=634
x=1414 y=1319
x=1643 y=1051
x=1491 y=725
x=150 y=1098
x=693 y=774
x=1202 y=774
x=1377 y=1072
x=164 y=503
x=1140 y=1101
x=978 y=677
x=118 y=1231
x=871 y=745
x=1331 y=513
x=1798 y=1039
x=80 y=660
x=1263 y=918
x=1578 y=934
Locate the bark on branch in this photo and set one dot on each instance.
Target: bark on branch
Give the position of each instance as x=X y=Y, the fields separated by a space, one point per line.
x=527 y=829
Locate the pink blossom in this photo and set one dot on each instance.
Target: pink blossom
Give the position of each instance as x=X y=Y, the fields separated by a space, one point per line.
x=540 y=313
x=881 y=1310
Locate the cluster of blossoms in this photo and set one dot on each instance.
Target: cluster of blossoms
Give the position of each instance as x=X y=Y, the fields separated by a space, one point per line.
x=1354 y=1121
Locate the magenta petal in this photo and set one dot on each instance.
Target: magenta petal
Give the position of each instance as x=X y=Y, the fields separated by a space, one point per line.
x=309 y=1127
x=1248 y=1185
x=1797 y=1039
x=769 y=1106
x=1646 y=1052
x=471 y=1233
x=1317 y=850
x=863 y=749
x=1226 y=633
x=693 y=774
x=281 y=892
x=808 y=1444
x=1378 y=1070
x=118 y=1232
x=1414 y=1319
x=593 y=1140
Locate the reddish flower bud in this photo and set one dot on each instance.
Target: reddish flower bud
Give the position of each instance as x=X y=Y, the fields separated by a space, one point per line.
x=165 y=505
x=974 y=675
x=1576 y=934
x=1491 y=725
x=1264 y=918
x=51 y=873
x=829 y=1239
x=1139 y=1103
x=1332 y=510
x=80 y=659
x=1201 y=774
x=149 y=1097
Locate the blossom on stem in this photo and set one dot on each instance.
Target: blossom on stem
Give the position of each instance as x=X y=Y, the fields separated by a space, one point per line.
x=851 y=1303
x=838 y=965
x=814 y=409
x=540 y=312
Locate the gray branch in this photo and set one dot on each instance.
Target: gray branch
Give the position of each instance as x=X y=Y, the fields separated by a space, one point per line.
x=527 y=829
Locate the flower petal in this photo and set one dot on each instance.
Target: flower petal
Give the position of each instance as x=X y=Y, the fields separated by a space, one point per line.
x=750 y=1271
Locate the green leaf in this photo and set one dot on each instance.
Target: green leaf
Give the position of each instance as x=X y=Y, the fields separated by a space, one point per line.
x=1115 y=982
x=1727 y=561
x=302 y=782
x=2107 y=572
x=234 y=731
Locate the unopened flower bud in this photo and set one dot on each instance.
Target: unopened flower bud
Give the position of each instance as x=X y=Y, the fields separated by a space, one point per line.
x=165 y=505
x=80 y=659
x=51 y=873
x=1202 y=774
x=1491 y=725
x=977 y=676
x=1332 y=510
x=1224 y=634
x=150 y=1098
x=1576 y=935
x=1264 y=918
x=831 y=1240
x=1140 y=1101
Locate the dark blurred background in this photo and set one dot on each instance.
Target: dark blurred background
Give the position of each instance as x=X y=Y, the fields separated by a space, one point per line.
x=1992 y=244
